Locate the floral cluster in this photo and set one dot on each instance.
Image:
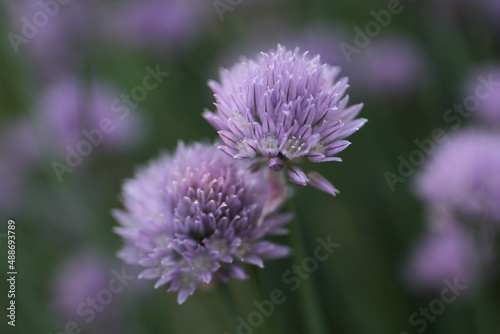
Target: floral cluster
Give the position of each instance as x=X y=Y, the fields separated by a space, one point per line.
x=198 y=215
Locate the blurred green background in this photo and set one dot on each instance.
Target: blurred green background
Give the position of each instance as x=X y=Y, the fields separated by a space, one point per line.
x=361 y=288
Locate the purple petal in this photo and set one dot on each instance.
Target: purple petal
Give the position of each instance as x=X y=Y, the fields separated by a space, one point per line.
x=297 y=176
x=319 y=182
x=276 y=164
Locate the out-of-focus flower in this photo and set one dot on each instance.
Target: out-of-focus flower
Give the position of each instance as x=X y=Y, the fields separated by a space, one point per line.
x=448 y=254
x=80 y=277
x=165 y=25
x=196 y=217
x=488 y=108
x=70 y=112
x=282 y=107
x=463 y=177
x=391 y=66
x=130 y=122
x=54 y=33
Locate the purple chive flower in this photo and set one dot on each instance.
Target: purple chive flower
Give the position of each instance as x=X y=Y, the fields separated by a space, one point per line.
x=282 y=107
x=488 y=109
x=463 y=178
x=449 y=254
x=196 y=217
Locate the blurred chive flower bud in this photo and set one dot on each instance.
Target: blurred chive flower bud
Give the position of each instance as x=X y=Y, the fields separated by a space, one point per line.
x=447 y=254
x=463 y=178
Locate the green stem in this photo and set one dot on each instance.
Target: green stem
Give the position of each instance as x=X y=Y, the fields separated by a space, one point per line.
x=229 y=302
x=311 y=309
x=269 y=325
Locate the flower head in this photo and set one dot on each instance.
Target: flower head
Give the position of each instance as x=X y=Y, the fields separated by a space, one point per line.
x=448 y=254
x=463 y=178
x=196 y=217
x=282 y=107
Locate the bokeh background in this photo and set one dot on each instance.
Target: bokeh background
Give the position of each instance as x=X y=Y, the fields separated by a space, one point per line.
x=68 y=66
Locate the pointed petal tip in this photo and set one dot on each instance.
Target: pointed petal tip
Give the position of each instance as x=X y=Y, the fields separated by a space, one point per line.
x=319 y=182
x=181 y=298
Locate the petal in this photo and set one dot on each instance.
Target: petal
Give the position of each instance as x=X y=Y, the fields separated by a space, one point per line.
x=183 y=295
x=237 y=272
x=251 y=259
x=352 y=127
x=277 y=252
x=319 y=182
x=214 y=120
x=226 y=149
x=297 y=176
x=276 y=164
x=150 y=273
x=237 y=128
x=336 y=147
x=349 y=113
